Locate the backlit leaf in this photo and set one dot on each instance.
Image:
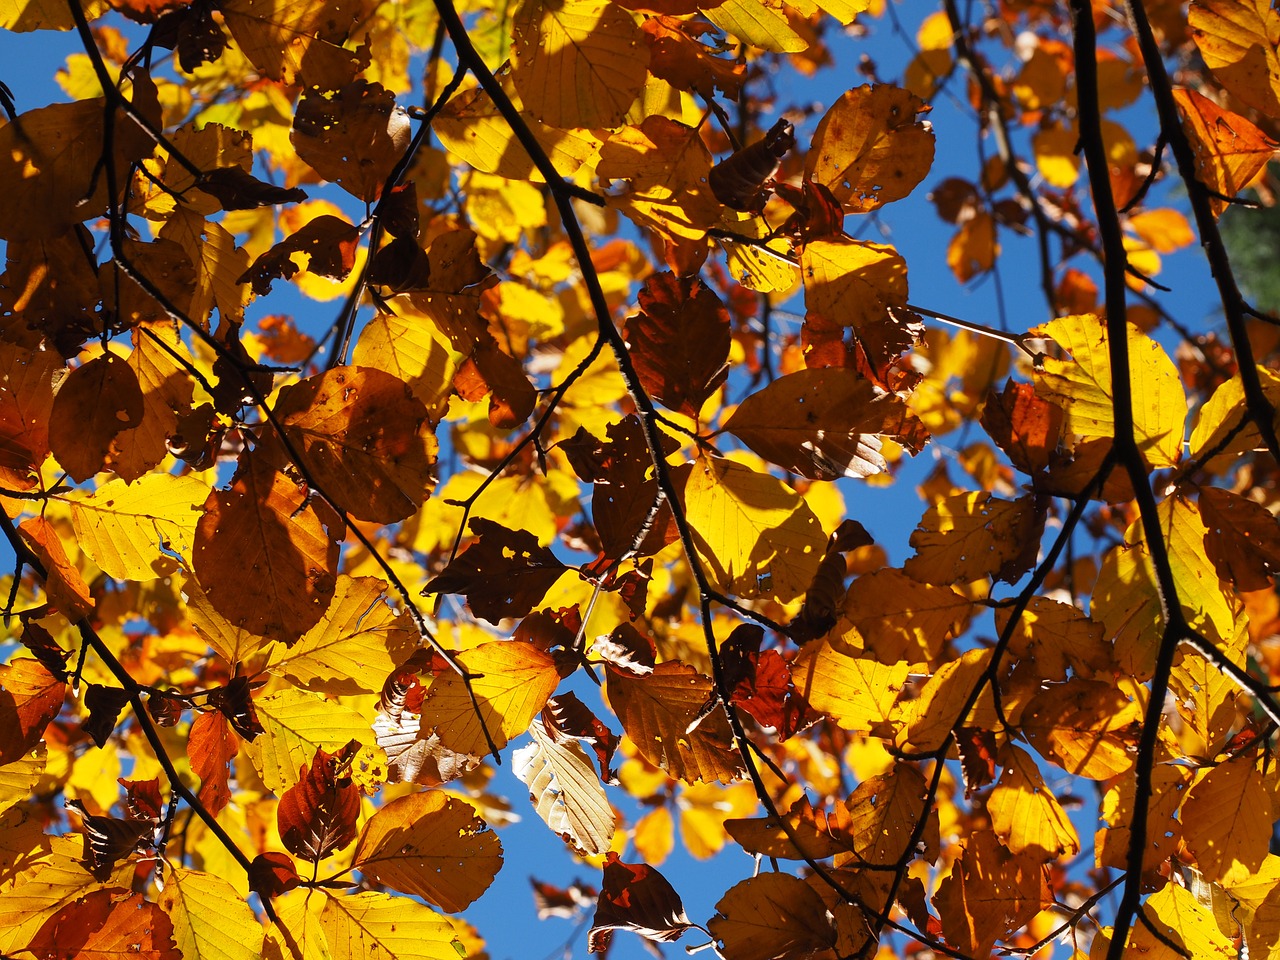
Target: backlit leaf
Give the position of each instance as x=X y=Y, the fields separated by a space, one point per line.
x=869 y=148
x=430 y=845
x=1226 y=822
x=1238 y=40
x=295 y=724
x=771 y=915
x=858 y=693
x=638 y=898
x=974 y=535
x=757 y=536
x=1024 y=813
x=511 y=681
x=210 y=920
x=577 y=64
x=1230 y=150
x=97 y=401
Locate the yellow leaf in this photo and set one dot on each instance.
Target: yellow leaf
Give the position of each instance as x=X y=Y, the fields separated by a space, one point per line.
x=1056 y=159
x=18 y=777
x=218 y=265
x=579 y=63
x=704 y=807
x=430 y=845
x=1082 y=387
x=233 y=642
x=892 y=617
x=133 y=530
x=766 y=270
x=1164 y=830
x=24 y=16
x=924 y=724
x=331 y=926
x=1084 y=726
x=1226 y=820
x=1025 y=814
x=1057 y=636
x=858 y=693
x=565 y=790
x=761 y=23
x=869 y=148
x=210 y=920
x=355 y=646
x=60 y=878
x=511 y=681
x=756 y=536
x=988 y=893
x=852 y=282
x=1176 y=913
x=1165 y=230
x=408 y=346
x=294 y=725
x=471 y=127
x=1219 y=425
x=1238 y=40
x=655 y=835
x=972 y=535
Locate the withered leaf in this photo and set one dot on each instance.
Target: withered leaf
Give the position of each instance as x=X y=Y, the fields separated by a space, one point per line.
x=825 y=423
x=104 y=704
x=271 y=874
x=97 y=401
x=328 y=243
x=1023 y=425
x=636 y=897
x=505 y=573
x=679 y=342
x=663 y=713
x=353 y=137
x=317 y=815
x=262 y=556
x=237 y=189
x=772 y=915
x=364 y=438
x=110 y=839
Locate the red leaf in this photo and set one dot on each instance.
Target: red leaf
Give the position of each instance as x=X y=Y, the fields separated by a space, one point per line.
x=271 y=874
x=317 y=815
x=211 y=748
x=106 y=923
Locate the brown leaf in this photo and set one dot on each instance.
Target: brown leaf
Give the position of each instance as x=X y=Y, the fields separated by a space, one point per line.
x=317 y=815
x=825 y=423
x=262 y=557
x=271 y=874
x=989 y=893
x=567 y=716
x=26 y=403
x=106 y=923
x=353 y=137
x=110 y=839
x=489 y=372
x=30 y=697
x=638 y=898
x=50 y=290
x=411 y=757
x=210 y=748
x=505 y=573
x=328 y=242
x=237 y=189
x=364 y=438
x=772 y=915
x=104 y=705
x=663 y=713
x=1242 y=538
x=97 y=401
x=679 y=342
x=430 y=845
x=234 y=702
x=1023 y=425
x=761 y=683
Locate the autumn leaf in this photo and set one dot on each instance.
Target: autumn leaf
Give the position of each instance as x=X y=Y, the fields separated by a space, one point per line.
x=353 y=137
x=317 y=815
x=869 y=148
x=430 y=845
x=974 y=535
x=824 y=424
x=210 y=920
x=730 y=507
x=771 y=915
x=1024 y=813
x=505 y=573
x=97 y=401
x=364 y=439
x=294 y=725
x=638 y=898
x=262 y=555
x=30 y=697
x=1237 y=39
x=577 y=64
x=509 y=685
x=662 y=712
x=1230 y=150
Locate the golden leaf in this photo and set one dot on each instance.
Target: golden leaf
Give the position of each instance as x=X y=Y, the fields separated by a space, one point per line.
x=1238 y=40
x=1226 y=820
x=210 y=920
x=1025 y=814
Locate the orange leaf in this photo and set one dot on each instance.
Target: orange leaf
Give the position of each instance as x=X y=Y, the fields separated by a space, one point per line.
x=97 y=401
x=30 y=697
x=317 y=815
x=1230 y=151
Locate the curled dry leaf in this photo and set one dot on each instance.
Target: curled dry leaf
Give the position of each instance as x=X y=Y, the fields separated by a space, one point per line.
x=636 y=897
